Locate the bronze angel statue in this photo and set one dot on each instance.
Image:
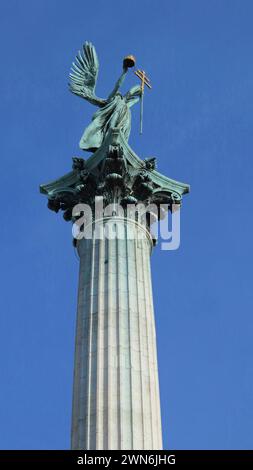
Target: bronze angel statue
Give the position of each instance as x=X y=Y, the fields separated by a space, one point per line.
x=113 y=111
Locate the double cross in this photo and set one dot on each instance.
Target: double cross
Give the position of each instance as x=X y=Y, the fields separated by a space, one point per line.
x=144 y=81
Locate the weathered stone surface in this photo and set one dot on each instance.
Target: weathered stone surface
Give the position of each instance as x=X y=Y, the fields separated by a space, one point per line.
x=116 y=401
x=116 y=392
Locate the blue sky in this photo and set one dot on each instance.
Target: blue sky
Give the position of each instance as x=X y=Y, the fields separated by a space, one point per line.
x=198 y=123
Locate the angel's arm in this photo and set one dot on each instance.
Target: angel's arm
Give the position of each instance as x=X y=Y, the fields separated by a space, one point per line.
x=118 y=83
x=133 y=95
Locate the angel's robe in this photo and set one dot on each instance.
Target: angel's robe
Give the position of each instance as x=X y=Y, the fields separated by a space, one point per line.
x=114 y=114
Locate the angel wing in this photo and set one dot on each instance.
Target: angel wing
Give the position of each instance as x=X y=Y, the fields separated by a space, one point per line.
x=83 y=75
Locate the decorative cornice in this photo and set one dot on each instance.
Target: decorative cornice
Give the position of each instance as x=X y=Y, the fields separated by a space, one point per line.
x=115 y=172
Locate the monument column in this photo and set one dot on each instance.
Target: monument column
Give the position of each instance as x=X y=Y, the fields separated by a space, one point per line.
x=116 y=401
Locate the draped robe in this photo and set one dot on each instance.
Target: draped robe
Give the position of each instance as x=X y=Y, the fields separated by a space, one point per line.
x=114 y=114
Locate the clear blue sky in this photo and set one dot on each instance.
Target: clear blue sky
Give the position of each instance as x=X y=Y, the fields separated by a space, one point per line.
x=198 y=122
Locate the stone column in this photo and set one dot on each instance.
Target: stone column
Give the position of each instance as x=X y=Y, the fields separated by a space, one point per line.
x=116 y=401
x=116 y=393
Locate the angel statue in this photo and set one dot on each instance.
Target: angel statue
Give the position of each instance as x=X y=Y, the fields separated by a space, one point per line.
x=113 y=111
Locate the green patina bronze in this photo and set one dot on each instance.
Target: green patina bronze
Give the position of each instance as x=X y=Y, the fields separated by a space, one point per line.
x=114 y=112
x=113 y=171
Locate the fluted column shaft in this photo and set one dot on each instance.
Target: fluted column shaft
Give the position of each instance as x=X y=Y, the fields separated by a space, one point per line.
x=116 y=401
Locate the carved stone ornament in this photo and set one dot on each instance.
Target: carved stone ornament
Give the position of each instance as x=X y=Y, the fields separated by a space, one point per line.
x=117 y=174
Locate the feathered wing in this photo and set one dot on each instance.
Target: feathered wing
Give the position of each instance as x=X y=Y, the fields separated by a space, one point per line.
x=83 y=75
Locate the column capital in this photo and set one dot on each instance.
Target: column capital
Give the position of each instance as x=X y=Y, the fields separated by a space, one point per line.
x=117 y=174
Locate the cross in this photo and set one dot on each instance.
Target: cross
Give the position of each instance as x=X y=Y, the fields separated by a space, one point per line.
x=144 y=81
